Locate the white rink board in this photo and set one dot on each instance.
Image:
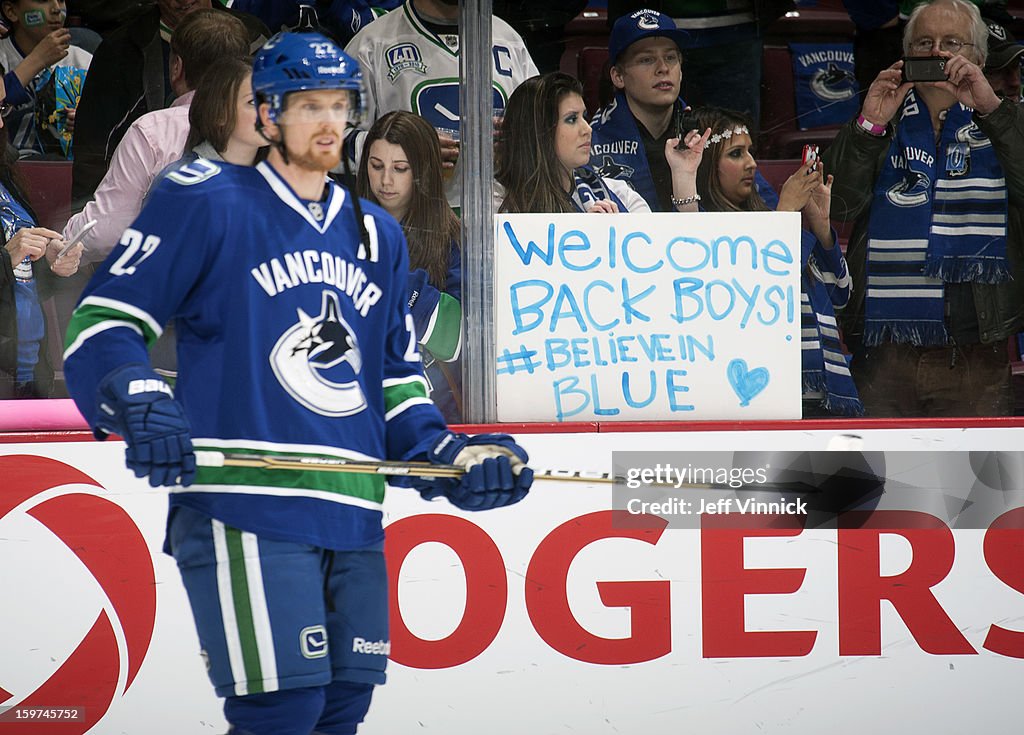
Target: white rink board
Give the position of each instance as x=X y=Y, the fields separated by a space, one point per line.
x=641 y=317
x=520 y=683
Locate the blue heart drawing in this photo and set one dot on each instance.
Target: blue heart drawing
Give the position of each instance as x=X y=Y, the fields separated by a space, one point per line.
x=745 y=382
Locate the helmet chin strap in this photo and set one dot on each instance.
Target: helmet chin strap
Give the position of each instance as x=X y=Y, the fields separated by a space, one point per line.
x=364 y=236
x=278 y=144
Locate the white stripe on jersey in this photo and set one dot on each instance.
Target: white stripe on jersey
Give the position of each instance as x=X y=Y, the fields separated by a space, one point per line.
x=95 y=329
x=284 y=492
x=125 y=308
x=227 y=609
x=406 y=404
x=260 y=614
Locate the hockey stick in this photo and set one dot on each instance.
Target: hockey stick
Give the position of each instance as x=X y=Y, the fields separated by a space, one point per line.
x=205 y=458
x=368 y=467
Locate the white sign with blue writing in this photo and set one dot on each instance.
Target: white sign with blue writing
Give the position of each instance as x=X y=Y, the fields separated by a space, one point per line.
x=647 y=317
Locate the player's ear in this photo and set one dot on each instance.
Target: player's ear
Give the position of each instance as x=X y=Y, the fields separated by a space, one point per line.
x=264 y=114
x=616 y=75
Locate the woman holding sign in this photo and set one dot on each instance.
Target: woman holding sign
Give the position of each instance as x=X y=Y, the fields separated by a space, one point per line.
x=401 y=171
x=725 y=183
x=543 y=155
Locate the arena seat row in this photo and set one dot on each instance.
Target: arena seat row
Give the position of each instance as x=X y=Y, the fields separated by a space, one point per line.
x=586 y=58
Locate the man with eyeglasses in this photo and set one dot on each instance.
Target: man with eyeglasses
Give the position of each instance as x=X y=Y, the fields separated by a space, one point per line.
x=933 y=174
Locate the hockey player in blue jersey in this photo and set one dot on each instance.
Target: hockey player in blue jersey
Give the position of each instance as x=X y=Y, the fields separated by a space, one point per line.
x=289 y=298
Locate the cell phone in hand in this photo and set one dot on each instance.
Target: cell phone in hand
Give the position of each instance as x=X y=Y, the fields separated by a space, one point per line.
x=810 y=155
x=924 y=69
x=76 y=238
x=685 y=122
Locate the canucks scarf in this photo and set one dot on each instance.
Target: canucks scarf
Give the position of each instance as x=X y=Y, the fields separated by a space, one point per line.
x=938 y=215
x=825 y=283
x=617 y=151
x=588 y=187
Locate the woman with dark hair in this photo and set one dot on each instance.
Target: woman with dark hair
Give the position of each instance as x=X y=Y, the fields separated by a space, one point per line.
x=31 y=256
x=725 y=183
x=400 y=170
x=543 y=155
x=222 y=116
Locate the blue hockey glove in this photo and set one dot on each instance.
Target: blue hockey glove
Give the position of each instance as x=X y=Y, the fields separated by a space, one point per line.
x=136 y=403
x=496 y=471
x=423 y=300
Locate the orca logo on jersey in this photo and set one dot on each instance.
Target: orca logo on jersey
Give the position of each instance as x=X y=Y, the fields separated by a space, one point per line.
x=316 y=347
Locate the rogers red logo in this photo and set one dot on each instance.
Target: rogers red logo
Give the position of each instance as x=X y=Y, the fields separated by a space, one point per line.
x=103 y=536
x=726 y=582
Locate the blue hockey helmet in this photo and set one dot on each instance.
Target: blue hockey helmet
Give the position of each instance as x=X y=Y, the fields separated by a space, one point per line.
x=296 y=62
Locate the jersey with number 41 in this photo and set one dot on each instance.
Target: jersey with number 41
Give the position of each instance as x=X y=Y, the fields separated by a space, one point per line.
x=293 y=339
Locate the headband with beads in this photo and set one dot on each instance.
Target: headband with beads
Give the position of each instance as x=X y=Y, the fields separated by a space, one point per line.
x=726 y=134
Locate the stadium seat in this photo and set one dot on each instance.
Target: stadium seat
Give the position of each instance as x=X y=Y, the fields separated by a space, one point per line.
x=49 y=190
x=586 y=51
x=781 y=136
x=593 y=68
x=827 y=23
x=777 y=171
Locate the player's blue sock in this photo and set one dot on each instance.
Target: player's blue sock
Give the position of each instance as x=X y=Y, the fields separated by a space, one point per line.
x=346 y=706
x=286 y=712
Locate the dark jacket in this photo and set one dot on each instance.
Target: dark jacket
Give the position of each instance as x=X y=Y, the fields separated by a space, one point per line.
x=127 y=78
x=856 y=157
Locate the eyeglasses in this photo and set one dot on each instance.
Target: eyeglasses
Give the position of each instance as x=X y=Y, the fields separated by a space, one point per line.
x=649 y=61
x=950 y=45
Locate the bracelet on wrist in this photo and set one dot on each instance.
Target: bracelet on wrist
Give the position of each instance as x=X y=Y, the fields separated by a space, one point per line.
x=864 y=124
x=677 y=202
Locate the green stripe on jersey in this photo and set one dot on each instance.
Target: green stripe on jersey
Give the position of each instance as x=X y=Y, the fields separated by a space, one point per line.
x=443 y=340
x=395 y=395
x=243 y=611
x=91 y=315
x=364 y=487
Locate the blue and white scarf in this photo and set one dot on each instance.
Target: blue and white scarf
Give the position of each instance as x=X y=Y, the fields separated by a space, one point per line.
x=825 y=286
x=955 y=194
x=618 y=152
x=588 y=187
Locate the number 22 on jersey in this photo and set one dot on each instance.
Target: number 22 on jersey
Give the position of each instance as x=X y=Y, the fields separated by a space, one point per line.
x=138 y=248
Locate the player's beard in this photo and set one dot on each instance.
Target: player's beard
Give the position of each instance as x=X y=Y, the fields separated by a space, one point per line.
x=312 y=159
